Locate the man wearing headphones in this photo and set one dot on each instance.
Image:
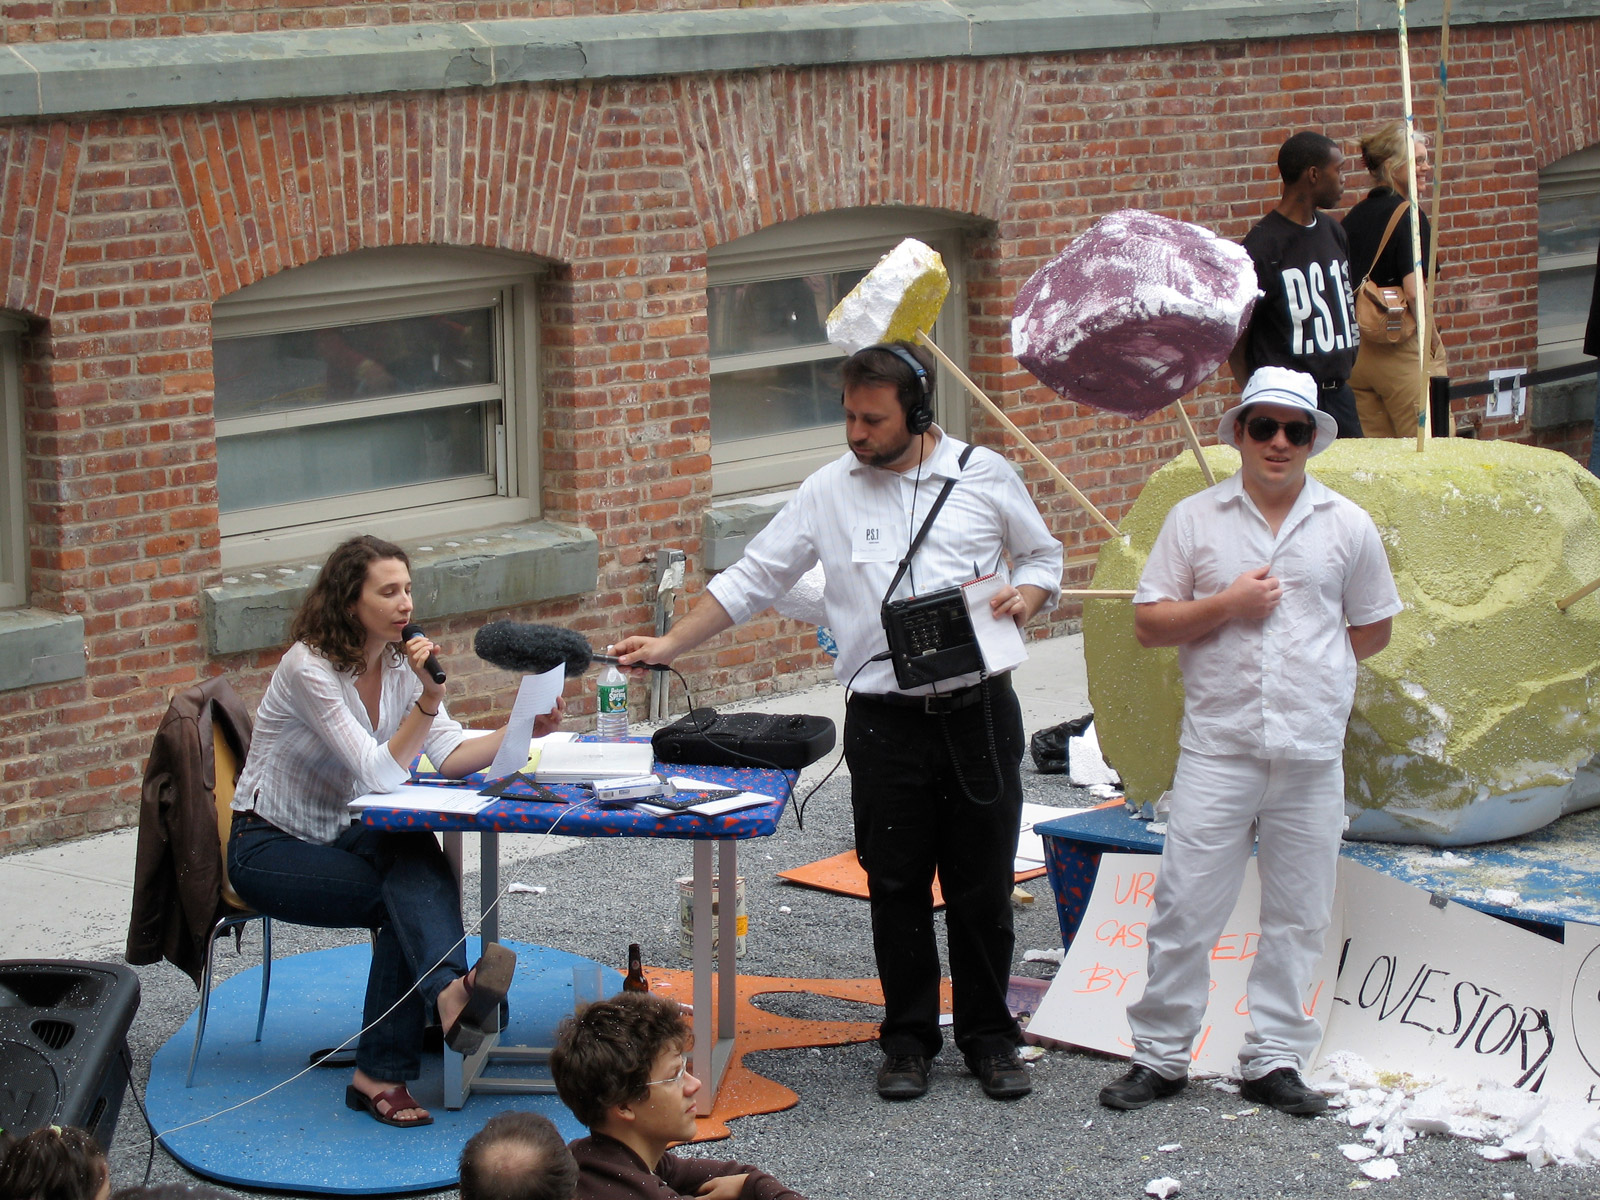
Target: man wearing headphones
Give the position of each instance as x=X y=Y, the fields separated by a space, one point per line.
x=934 y=768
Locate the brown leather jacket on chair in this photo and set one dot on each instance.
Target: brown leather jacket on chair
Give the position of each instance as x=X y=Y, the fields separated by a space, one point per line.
x=177 y=877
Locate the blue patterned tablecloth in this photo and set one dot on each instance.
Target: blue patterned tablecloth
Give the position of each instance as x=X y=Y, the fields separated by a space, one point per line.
x=574 y=813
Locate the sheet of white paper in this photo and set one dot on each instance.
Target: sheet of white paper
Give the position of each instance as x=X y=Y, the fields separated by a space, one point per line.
x=999 y=638
x=420 y=797
x=536 y=695
x=1104 y=971
x=1575 y=1065
x=1030 y=846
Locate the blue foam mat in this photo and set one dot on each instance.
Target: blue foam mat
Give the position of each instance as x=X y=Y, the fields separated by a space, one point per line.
x=302 y=1138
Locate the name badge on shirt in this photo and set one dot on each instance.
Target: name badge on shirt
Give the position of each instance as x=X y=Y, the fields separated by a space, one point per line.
x=873 y=543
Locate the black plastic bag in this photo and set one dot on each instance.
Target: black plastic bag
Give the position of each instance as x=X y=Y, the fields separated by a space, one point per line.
x=1049 y=746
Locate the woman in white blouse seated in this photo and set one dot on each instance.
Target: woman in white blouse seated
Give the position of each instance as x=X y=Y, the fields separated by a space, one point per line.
x=348 y=710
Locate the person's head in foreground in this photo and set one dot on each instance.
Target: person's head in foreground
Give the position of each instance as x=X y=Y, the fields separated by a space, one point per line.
x=518 y=1156
x=55 y=1163
x=620 y=1065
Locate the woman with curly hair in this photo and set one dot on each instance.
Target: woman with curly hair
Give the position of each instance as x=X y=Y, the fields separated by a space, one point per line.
x=1386 y=379
x=349 y=708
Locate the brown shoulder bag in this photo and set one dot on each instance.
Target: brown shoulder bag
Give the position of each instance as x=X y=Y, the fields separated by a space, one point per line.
x=1383 y=312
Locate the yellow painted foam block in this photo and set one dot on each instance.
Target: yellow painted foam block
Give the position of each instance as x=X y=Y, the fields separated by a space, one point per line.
x=1481 y=720
x=896 y=299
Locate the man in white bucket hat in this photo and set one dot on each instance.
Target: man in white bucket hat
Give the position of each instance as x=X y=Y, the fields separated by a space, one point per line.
x=1272 y=587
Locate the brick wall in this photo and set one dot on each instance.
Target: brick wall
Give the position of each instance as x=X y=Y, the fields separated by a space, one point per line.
x=118 y=233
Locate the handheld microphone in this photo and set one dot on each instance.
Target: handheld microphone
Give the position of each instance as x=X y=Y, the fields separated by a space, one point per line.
x=431 y=666
x=534 y=649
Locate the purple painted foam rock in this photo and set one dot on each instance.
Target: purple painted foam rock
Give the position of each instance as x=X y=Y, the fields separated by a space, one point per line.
x=1134 y=313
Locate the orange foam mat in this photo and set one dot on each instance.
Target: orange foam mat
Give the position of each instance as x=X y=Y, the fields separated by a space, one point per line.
x=743 y=1092
x=843 y=874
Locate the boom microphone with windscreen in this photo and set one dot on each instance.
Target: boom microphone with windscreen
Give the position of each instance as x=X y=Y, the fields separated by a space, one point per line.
x=534 y=649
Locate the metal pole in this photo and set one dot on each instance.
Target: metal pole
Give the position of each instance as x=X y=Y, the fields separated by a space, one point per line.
x=669 y=582
x=1438 y=191
x=1416 y=225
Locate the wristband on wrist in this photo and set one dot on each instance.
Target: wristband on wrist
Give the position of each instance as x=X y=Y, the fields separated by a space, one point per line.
x=425 y=712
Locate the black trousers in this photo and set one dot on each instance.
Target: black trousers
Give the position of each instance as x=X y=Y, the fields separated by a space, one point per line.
x=912 y=816
x=1340 y=404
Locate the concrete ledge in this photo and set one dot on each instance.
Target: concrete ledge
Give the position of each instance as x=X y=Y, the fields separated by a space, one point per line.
x=1568 y=402
x=728 y=528
x=39 y=647
x=498 y=568
x=57 y=78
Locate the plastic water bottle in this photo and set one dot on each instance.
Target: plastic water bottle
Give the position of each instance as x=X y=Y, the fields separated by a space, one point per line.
x=612 y=723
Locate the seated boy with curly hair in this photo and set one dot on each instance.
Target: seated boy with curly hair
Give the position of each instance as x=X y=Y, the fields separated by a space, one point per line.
x=621 y=1066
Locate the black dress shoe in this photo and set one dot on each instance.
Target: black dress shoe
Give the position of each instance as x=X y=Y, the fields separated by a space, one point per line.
x=1002 y=1075
x=902 y=1076
x=1140 y=1086
x=1285 y=1091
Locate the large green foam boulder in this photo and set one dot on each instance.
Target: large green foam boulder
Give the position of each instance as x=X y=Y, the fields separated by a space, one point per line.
x=1481 y=719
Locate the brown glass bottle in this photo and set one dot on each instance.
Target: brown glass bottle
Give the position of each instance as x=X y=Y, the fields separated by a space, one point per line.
x=635 y=981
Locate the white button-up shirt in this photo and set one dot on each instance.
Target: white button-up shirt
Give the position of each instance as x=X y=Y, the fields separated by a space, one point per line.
x=858 y=520
x=1280 y=687
x=314 y=748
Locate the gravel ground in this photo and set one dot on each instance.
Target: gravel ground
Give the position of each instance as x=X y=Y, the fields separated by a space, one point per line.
x=841 y=1141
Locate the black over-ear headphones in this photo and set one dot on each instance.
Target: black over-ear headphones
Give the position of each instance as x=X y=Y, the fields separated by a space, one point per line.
x=919 y=415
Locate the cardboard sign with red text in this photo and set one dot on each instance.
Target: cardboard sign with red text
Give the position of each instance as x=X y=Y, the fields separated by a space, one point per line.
x=1104 y=971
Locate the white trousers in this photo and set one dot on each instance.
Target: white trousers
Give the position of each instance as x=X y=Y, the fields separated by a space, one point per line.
x=1221 y=804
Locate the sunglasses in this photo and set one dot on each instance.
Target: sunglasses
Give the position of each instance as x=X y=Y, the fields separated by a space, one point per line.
x=1264 y=429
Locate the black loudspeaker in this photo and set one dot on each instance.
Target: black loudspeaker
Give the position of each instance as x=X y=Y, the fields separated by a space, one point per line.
x=64 y=1045
x=919 y=417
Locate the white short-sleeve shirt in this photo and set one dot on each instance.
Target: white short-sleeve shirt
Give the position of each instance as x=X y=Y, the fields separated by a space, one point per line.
x=1280 y=687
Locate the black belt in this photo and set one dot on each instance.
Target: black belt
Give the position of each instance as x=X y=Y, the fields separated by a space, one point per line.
x=945 y=702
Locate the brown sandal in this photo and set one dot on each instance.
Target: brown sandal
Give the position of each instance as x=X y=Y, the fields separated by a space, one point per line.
x=491 y=980
x=398 y=1098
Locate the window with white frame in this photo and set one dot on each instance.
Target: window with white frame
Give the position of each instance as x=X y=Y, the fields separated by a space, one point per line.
x=1569 y=233
x=13 y=519
x=774 y=376
x=389 y=391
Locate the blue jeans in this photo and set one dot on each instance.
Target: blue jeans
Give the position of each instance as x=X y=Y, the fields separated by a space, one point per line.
x=400 y=885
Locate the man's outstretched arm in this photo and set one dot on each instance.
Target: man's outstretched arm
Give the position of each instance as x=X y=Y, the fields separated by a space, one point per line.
x=704 y=620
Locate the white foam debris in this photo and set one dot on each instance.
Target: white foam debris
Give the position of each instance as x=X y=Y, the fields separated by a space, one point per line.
x=1055 y=956
x=1394 y=1110
x=1163 y=1187
x=1169 y=1148
x=1503 y=897
x=530 y=889
x=1086 y=766
x=1380 y=1169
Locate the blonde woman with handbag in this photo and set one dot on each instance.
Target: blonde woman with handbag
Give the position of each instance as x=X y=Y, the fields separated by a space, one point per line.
x=1388 y=388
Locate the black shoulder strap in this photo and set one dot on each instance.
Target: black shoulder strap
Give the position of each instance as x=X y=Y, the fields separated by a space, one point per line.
x=938 y=503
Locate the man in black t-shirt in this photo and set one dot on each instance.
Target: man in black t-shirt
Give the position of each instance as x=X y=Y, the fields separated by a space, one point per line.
x=1305 y=319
